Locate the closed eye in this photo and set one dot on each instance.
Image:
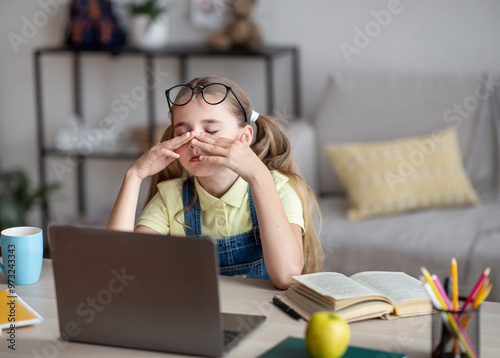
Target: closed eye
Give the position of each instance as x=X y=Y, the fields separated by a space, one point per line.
x=211 y=132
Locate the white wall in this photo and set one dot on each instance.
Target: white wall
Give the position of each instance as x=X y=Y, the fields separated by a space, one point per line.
x=457 y=35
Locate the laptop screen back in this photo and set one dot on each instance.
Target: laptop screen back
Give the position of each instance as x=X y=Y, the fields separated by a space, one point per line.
x=137 y=290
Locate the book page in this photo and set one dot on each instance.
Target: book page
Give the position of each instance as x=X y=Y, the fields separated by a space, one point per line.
x=335 y=285
x=397 y=286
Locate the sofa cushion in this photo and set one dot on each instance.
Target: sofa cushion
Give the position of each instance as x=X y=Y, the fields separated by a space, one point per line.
x=359 y=107
x=401 y=175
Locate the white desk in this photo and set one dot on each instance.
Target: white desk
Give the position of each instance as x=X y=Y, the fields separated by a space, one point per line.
x=409 y=335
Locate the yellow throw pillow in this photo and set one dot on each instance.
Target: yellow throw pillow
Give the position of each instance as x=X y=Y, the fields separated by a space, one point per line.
x=401 y=175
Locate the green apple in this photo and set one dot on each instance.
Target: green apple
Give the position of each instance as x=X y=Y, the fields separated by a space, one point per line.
x=327 y=335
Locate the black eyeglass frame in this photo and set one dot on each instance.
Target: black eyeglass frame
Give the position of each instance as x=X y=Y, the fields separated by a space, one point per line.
x=203 y=88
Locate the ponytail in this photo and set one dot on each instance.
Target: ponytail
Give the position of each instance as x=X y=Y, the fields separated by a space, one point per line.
x=273 y=147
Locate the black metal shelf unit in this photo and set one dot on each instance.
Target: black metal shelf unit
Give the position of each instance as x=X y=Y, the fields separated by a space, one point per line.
x=183 y=53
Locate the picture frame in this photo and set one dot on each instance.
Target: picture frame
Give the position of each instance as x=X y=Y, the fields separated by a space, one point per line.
x=207 y=14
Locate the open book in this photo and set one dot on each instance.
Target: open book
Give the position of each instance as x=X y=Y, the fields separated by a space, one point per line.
x=362 y=296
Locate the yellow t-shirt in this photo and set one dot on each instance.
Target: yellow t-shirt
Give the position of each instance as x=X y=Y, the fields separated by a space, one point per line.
x=227 y=216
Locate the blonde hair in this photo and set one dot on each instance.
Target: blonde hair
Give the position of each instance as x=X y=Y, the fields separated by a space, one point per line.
x=272 y=146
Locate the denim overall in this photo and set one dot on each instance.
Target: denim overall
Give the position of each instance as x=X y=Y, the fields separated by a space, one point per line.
x=239 y=255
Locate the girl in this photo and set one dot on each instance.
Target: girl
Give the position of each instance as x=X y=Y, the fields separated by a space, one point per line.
x=211 y=177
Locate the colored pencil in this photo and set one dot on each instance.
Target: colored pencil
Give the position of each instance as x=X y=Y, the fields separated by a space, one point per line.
x=454 y=276
x=478 y=300
x=481 y=296
x=454 y=290
x=448 y=305
x=476 y=288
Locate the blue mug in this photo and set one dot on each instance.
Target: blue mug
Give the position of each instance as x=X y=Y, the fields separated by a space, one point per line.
x=22 y=254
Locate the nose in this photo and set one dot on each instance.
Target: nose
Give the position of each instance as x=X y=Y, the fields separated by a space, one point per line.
x=191 y=146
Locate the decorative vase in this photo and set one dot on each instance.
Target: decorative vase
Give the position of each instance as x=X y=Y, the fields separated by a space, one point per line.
x=149 y=35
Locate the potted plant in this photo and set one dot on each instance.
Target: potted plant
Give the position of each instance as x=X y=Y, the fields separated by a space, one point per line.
x=17 y=198
x=148 y=24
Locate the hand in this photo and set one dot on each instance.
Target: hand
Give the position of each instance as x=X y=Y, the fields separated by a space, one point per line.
x=230 y=153
x=159 y=156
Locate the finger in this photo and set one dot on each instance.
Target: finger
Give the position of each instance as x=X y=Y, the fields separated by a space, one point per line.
x=161 y=153
x=213 y=159
x=213 y=139
x=212 y=148
x=169 y=153
x=177 y=142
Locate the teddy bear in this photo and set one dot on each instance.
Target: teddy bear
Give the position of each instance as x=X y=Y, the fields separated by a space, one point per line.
x=241 y=32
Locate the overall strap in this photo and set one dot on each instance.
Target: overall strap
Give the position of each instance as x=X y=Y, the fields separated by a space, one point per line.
x=253 y=217
x=192 y=216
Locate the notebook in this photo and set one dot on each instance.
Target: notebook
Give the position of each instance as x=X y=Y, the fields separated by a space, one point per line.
x=15 y=312
x=292 y=347
x=142 y=291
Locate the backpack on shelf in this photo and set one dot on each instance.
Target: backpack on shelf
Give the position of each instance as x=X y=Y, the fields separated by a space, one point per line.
x=93 y=25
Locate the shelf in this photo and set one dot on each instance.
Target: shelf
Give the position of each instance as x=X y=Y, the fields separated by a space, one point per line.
x=177 y=50
x=183 y=52
x=97 y=154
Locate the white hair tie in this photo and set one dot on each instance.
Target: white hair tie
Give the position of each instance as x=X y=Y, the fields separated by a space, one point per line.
x=254 y=116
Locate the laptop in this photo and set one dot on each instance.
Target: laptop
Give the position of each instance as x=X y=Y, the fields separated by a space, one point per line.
x=142 y=291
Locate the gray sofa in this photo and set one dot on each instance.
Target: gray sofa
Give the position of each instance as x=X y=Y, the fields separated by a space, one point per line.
x=365 y=107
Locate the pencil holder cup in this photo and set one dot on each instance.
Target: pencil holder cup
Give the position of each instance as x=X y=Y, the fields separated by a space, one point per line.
x=455 y=333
